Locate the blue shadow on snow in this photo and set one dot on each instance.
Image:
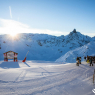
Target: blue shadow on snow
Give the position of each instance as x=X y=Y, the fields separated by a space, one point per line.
x=7 y=65
x=26 y=64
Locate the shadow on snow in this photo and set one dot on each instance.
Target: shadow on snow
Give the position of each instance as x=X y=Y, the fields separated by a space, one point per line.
x=26 y=64
x=7 y=65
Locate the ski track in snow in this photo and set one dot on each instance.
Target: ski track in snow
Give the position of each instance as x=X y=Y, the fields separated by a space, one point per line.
x=47 y=79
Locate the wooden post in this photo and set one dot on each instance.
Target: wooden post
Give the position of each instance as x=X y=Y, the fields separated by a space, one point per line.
x=94 y=71
x=93 y=75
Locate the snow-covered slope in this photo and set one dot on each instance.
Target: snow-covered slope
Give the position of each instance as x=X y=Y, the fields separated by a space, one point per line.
x=42 y=46
x=93 y=38
x=85 y=50
x=35 y=78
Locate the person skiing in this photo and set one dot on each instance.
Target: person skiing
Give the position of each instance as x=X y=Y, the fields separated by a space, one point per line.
x=85 y=58
x=77 y=61
x=88 y=59
x=91 y=61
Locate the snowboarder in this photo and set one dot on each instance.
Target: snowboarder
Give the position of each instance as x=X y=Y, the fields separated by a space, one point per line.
x=91 y=61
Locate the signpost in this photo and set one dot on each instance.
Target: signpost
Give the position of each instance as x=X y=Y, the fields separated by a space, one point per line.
x=10 y=55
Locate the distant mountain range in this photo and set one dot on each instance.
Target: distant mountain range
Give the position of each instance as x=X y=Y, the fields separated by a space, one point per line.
x=43 y=46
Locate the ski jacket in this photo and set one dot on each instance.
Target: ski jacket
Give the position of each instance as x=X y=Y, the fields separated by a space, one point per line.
x=91 y=60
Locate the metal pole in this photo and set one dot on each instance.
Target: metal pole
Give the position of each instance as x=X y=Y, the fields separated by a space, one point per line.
x=27 y=53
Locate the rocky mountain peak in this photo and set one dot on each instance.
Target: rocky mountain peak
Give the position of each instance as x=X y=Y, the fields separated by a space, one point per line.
x=74 y=31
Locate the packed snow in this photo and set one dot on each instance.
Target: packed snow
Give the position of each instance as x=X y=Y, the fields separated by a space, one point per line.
x=45 y=78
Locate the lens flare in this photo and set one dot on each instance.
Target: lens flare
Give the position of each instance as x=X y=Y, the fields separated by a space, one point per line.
x=13 y=34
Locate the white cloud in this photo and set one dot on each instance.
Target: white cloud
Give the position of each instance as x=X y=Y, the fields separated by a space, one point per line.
x=89 y=34
x=11 y=26
x=10 y=11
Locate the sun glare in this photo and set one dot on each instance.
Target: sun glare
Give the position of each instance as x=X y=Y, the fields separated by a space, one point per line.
x=13 y=34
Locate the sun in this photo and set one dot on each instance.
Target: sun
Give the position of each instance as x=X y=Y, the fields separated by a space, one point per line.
x=13 y=34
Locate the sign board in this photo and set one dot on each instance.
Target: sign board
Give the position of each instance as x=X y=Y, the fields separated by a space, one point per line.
x=10 y=55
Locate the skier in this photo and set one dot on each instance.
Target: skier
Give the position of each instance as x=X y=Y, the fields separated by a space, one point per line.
x=80 y=60
x=77 y=61
x=91 y=61
x=88 y=59
x=85 y=58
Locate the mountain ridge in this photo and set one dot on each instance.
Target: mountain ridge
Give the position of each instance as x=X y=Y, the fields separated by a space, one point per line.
x=43 y=46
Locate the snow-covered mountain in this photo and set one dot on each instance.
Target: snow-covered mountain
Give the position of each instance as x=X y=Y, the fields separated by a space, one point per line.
x=35 y=77
x=42 y=46
x=93 y=38
x=70 y=56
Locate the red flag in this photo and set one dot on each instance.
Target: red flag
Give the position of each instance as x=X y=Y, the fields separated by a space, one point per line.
x=24 y=59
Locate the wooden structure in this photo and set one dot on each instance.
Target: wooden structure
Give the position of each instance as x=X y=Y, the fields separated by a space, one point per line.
x=10 y=55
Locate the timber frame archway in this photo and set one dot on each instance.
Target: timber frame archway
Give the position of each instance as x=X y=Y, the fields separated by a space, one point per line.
x=10 y=55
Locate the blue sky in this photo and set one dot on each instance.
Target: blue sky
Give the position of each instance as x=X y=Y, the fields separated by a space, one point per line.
x=55 y=17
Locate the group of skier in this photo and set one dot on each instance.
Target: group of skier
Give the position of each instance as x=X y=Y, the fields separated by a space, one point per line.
x=88 y=59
